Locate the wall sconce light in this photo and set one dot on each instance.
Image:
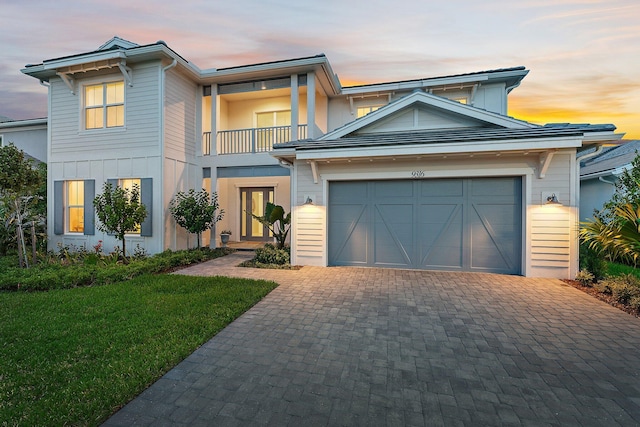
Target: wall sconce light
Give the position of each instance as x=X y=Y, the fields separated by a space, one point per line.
x=552 y=200
x=308 y=202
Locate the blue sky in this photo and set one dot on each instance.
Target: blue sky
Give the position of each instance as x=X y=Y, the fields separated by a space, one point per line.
x=584 y=55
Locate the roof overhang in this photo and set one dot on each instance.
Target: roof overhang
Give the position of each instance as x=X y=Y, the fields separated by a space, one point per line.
x=511 y=77
x=501 y=147
x=318 y=64
x=67 y=67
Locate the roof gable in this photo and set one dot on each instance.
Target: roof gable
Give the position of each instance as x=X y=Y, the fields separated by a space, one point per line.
x=117 y=42
x=423 y=111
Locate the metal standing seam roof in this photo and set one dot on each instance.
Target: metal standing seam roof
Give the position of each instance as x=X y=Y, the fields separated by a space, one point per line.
x=430 y=137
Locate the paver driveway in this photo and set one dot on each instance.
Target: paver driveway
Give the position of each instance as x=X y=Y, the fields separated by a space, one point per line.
x=350 y=346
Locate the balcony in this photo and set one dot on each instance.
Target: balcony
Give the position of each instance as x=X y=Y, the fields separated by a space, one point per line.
x=253 y=140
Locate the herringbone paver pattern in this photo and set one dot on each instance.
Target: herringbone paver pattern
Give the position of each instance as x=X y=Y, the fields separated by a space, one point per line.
x=350 y=346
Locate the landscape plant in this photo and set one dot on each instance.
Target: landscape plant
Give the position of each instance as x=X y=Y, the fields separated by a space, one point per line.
x=277 y=222
x=22 y=206
x=196 y=211
x=120 y=211
x=614 y=231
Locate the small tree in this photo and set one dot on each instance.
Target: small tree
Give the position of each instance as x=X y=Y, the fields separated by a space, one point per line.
x=196 y=211
x=277 y=222
x=19 y=181
x=119 y=211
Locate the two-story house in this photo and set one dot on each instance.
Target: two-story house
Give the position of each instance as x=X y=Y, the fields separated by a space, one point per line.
x=428 y=173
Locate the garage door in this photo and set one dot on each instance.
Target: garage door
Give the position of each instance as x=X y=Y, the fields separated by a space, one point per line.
x=469 y=224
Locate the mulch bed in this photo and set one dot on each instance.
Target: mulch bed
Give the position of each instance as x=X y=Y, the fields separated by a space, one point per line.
x=609 y=299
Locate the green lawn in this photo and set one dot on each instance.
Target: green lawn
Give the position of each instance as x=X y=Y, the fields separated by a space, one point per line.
x=74 y=356
x=614 y=269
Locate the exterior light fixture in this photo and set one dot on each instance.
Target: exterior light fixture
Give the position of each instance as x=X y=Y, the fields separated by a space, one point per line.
x=553 y=200
x=308 y=202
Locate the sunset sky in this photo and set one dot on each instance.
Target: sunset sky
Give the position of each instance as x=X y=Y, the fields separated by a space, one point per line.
x=584 y=55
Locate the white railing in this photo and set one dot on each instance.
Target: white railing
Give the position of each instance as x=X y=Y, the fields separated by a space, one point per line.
x=254 y=140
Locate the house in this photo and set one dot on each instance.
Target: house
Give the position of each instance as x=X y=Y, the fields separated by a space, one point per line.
x=426 y=173
x=599 y=171
x=29 y=136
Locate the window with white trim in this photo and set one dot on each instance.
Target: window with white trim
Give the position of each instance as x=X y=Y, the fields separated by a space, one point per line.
x=128 y=184
x=75 y=206
x=104 y=105
x=363 y=111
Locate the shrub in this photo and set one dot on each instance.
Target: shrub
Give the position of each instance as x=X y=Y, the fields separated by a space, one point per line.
x=82 y=268
x=592 y=262
x=623 y=288
x=585 y=278
x=269 y=254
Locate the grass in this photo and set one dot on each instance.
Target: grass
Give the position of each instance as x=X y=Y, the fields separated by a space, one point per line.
x=74 y=356
x=615 y=270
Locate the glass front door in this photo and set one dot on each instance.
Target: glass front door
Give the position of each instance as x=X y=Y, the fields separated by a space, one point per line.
x=254 y=201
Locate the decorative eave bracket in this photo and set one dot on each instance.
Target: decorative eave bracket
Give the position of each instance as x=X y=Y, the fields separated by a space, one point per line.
x=314 y=170
x=67 y=73
x=544 y=161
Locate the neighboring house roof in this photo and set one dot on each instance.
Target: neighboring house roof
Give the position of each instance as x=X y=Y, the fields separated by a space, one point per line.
x=612 y=160
x=22 y=123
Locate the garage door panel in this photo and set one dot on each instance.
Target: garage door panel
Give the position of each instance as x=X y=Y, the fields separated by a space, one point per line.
x=348 y=235
x=393 y=238
x=441 y=188
x=494 y=234
x=440 y=231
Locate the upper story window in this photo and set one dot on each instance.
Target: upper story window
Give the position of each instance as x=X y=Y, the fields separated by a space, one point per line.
x=104 y=105
x=363 y=111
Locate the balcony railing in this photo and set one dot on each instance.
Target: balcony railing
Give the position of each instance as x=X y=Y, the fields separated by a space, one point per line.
x=254 y=140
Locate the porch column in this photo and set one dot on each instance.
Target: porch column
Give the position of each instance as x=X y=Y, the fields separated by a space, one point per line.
x=214 y=119
x=295 y=103
x=311 y=104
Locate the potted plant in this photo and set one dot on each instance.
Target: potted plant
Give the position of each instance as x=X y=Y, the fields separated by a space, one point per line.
x=224 y=237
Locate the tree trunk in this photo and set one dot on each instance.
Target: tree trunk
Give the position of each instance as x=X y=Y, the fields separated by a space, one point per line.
x=34 y=252
x=20 y=257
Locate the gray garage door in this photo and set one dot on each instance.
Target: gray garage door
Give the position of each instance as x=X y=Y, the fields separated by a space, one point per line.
x=444 y=224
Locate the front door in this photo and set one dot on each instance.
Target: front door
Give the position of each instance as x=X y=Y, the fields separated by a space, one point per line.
x=253 y=201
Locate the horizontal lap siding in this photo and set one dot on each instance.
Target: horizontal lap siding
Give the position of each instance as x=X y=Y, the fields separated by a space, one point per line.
x=552 y=237
x=180 y=116
x=140 y=135
x=310 y=232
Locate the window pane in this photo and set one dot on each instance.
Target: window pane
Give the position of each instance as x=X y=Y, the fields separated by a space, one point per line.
x=76 y=220
x=283 y=118
x=93 y=95
x=115 y=116
x=75 y=206
x=264 y=120
x=128 y=184
x=75 y=191
x=94 y=118
x=115 y=93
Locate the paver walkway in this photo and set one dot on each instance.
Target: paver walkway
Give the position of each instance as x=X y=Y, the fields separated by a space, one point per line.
x=351 y=346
